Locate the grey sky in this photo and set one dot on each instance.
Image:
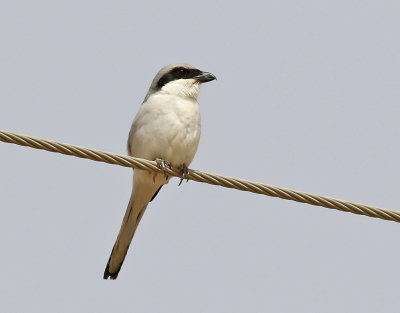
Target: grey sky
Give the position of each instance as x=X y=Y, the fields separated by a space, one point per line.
x=307 y=97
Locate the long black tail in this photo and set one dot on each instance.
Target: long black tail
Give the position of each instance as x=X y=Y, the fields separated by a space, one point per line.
x=132 y=217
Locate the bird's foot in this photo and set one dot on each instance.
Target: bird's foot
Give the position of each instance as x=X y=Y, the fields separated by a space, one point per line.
x=184 y=173
x=164 y=165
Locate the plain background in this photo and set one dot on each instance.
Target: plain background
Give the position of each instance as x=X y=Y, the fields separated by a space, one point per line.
x=307 y=98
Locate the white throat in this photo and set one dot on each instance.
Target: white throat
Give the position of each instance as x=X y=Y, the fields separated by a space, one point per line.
x=187 y=88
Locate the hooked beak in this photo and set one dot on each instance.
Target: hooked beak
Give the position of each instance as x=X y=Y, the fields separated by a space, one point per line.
x=204 y=77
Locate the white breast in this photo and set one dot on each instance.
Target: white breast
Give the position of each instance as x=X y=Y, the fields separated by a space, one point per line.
x=167 y=127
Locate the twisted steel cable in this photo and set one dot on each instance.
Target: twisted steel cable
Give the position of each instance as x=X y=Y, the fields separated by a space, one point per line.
x=198 y=176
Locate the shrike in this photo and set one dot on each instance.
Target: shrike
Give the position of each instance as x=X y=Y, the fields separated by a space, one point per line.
x=166 y=129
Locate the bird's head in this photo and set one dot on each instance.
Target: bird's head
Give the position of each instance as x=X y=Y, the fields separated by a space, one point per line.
x=179 y=79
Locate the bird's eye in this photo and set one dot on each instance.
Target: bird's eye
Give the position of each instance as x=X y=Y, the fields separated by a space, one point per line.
x=183 y=70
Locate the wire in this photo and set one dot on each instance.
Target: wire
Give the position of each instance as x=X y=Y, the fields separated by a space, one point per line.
x=198 y=176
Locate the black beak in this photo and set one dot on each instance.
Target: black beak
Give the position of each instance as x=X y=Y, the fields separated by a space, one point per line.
x=205 y=77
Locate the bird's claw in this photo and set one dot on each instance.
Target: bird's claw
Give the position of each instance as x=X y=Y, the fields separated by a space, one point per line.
x=184 y=173
x=164 y=165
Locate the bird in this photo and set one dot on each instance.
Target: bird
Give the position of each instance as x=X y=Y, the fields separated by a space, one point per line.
x=166 y=129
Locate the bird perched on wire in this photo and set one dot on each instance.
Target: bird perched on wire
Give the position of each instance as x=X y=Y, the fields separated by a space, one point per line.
x=166 y=129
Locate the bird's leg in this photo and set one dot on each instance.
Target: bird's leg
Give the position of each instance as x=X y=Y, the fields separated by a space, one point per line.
x=184 y=173
x=163 y=165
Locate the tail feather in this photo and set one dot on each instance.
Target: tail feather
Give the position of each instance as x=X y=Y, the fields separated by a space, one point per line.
x=145 y=188
x=131 y=221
